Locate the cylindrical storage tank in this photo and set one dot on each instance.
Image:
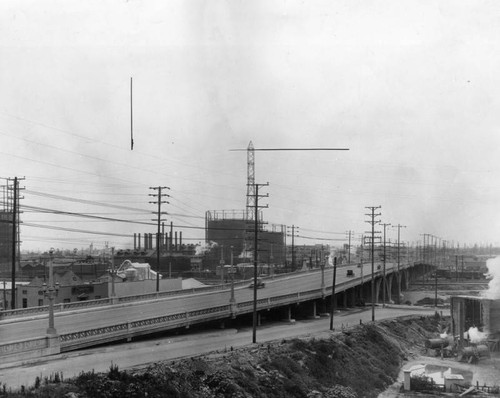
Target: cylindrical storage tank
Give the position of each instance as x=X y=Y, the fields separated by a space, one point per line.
x=436 y=343
x=479 y=351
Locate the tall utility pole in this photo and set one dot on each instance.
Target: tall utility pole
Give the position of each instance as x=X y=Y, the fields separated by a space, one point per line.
x=424 y=248
x=398 y=284
x=332 y=304
x=255 y=255
x=159 y=202
x=385 y=225
x=399 y=226
x=294 y=231
x=15 y=238
x=372 y=221
x=349 y=248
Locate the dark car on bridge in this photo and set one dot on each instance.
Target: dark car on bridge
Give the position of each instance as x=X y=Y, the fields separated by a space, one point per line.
x=350 y=272
x=260 y=284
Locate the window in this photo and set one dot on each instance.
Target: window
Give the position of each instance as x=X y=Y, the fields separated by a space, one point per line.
x=40 y=302
x=25 y=303
x=40 y=292
x=67 y=300
x=25 y=291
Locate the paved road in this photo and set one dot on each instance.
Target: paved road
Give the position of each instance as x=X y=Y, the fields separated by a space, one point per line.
x=111 y=315
x=139 y=353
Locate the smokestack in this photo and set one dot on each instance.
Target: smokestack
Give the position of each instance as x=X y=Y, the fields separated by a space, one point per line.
x=135 y=241
x=180 y=239
x=139 y=239
x=176 y=248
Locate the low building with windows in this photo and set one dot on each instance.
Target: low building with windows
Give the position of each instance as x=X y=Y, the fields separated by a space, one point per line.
x=130 y=279
x=70 y=288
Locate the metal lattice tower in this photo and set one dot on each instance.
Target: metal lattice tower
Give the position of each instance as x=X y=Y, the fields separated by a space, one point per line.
x=250 y=181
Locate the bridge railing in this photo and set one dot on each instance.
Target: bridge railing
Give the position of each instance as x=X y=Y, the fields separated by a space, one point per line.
x=128 y=329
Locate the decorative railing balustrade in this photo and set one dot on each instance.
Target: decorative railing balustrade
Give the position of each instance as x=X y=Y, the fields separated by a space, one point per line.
x=129 y=329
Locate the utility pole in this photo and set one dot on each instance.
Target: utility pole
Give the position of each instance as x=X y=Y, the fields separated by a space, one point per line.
x=399 y=226
x=50 y=292
x=435 y=273
x=160 y=196
x=398 y=284
x=424 y=248
x=15 y=237
x=372 y=222
x=294 y=228
x=349 y=248
x=385 y=225
x=255 y=255
x=444 y=253
x=332 y=306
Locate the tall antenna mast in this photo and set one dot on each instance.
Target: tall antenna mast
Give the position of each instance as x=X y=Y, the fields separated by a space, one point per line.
x=250 y=181
x=251 y=170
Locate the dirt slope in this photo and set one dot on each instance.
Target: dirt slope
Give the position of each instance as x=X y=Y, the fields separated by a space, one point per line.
x=360 y=361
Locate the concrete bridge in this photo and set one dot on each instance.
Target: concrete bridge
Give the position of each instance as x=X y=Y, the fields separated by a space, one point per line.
x=24 y=335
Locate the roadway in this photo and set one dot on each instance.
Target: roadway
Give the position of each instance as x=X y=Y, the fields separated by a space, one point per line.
x=102 y=316
x=136 y=354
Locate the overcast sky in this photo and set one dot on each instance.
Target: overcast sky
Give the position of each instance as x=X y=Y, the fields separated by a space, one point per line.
x=410 y=87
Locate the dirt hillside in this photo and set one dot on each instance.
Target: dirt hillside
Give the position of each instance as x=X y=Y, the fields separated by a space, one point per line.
x=360 y=361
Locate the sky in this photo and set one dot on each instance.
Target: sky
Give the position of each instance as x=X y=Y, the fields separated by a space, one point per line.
x=410 y=88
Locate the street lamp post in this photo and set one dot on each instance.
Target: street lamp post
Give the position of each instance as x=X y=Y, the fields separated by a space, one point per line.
x=51 y=293
x=112 y=271
x=232 y=299
x=322 y=265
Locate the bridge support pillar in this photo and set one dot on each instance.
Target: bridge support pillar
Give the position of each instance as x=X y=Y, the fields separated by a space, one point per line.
x=53 y=344
x=378 y=282
x=129 y=327
x=407 y=279
x=233 y=309
x=388 y=286
x=323 y=310
x=353 y=295
x=314 y=312
x=398 y=286
x=288 y=315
